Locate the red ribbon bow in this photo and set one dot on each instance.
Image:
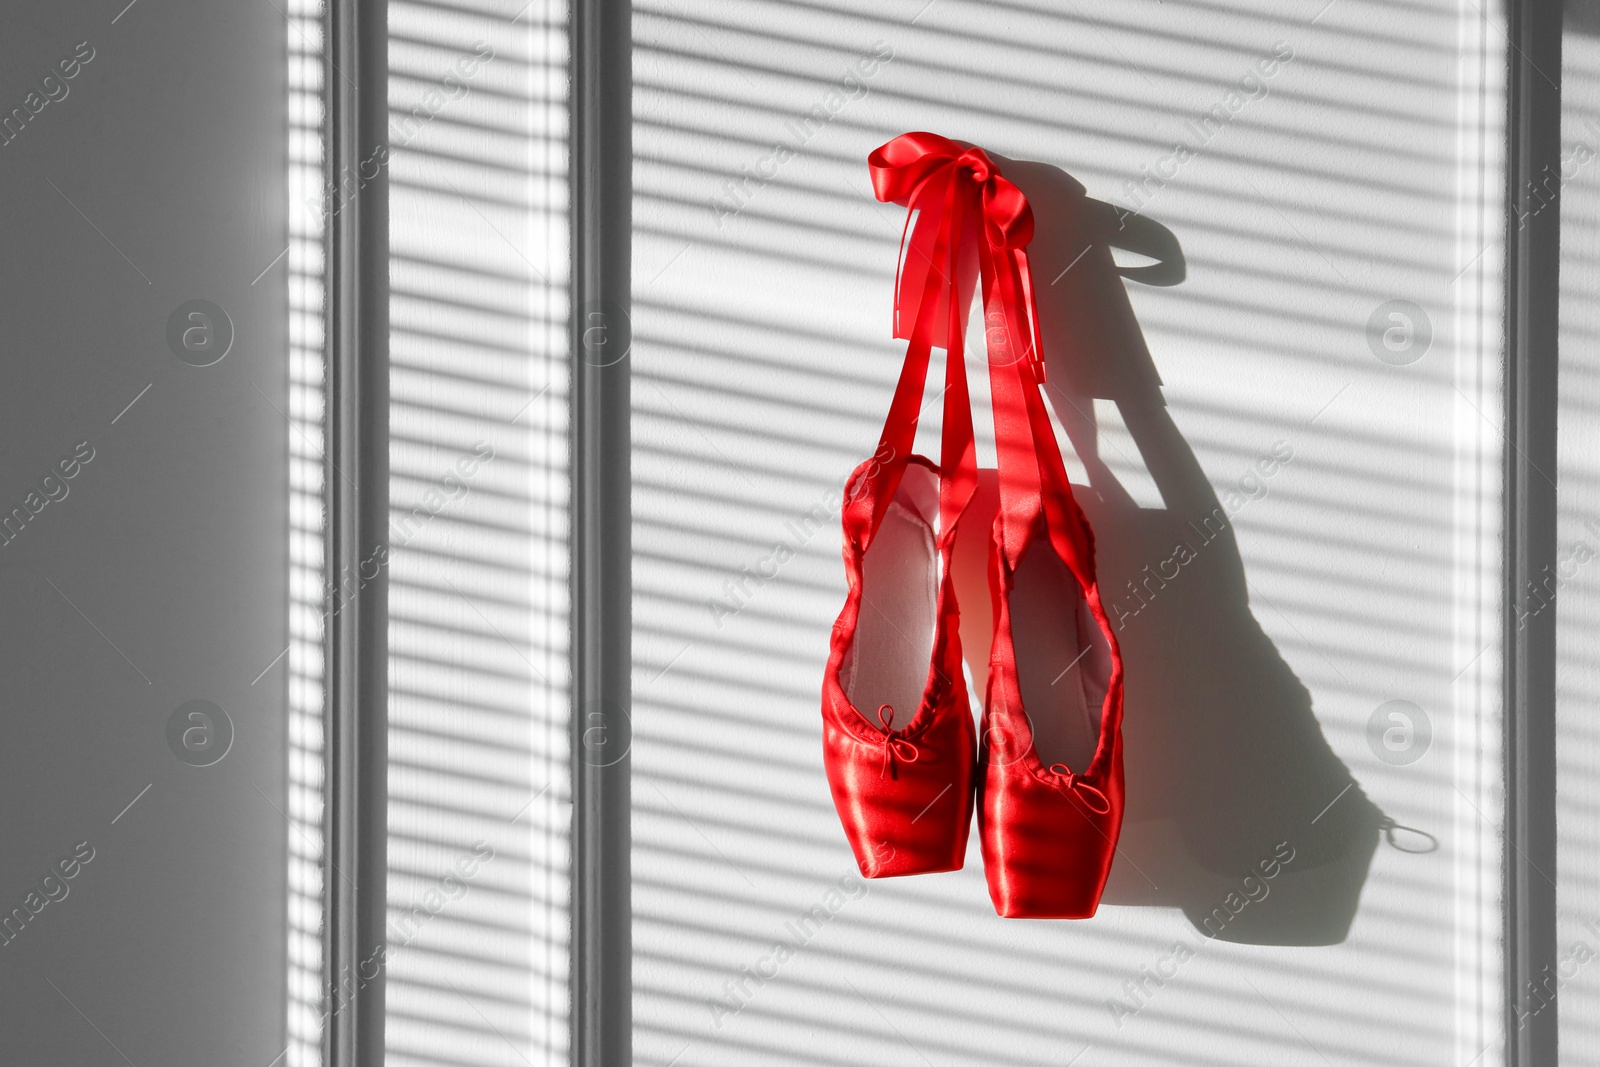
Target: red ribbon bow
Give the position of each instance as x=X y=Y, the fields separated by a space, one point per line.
x=943 y=184
x=904 y=165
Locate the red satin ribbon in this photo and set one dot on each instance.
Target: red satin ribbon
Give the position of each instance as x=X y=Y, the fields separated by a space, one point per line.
x=953 y=193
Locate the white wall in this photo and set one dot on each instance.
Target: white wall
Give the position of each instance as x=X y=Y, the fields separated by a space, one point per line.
x=478 y=801
x=1574 y=590
x=1365 y=170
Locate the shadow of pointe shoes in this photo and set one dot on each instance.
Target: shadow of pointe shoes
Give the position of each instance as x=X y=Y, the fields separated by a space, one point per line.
x=1239 y=812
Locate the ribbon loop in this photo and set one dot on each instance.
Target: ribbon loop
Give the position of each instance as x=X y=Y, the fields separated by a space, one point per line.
x=1092 y=798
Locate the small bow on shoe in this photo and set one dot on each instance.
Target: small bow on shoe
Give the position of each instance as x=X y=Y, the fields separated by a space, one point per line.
x=894 y=745
x=1092 y=798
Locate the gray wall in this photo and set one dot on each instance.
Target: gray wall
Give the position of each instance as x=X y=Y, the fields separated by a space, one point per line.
x=161 y=576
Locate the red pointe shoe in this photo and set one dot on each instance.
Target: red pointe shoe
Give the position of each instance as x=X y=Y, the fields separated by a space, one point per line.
x=898 y=738
x=1048 y=830
x=902 y=779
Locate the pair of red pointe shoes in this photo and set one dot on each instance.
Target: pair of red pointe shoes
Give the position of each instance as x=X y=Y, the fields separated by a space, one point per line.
x=904 y=761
